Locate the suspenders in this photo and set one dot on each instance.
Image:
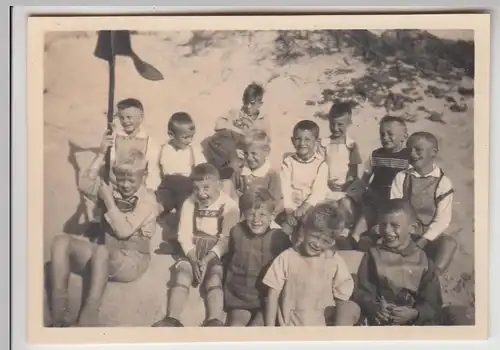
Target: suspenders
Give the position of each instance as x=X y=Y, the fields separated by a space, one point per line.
x=209 y=213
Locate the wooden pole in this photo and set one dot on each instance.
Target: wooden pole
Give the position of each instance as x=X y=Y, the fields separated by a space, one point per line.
x=111 y=102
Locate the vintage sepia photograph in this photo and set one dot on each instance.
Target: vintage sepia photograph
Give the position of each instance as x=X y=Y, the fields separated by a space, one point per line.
x=303 y=176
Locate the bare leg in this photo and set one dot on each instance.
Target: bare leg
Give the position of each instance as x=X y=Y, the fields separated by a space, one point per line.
x=179 y=292
x=98 y=281
x=257 y=319
x=239 y=318
x=66 y=251
x=214 y=294
x=347 y=313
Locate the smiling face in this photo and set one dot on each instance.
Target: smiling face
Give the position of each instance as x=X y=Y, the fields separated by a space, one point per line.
x=392 y=136
x=304 y=142
x=256 y=155
x=395 y=228
x=258 y=219
x=182 y=135
x=207 y=190
x=130 y=119
x=422 y=154
x=339 y=125
x=315 y=242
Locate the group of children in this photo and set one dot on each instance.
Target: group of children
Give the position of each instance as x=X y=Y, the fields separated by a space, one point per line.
x=262 y=244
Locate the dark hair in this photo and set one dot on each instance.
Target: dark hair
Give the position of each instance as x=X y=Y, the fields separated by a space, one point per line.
x=340 y=109
x=252 y=92
x=308 y=125
x=257 y=197
x=393 y=119
x=424 y=135
x=130 y=102
x=204 y=171
x=397 y=205
x=325 y=218
x=180 y=118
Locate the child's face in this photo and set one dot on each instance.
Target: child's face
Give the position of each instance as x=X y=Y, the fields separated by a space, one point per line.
x=339 y=125
x=128 y=182
x=395 y=229
x=258 y=219
x=130 y=119
x=182 y=135
x=422 y=153
x=252 y=106
x=304 y=142
x=315 y=243
x=207 y=190
x=392 y=136
x=256 y=155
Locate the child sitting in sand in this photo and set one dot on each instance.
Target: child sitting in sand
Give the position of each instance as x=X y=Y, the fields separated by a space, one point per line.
x=396 y=283
x=178 y=157
x=430 y=194
x=257 y=171
x=130 y=222
x=223 y=149
x=306 y=281
x=342 y=156
x=304 y=176
x=381 y=169
x=206 y=219
x=253 y=245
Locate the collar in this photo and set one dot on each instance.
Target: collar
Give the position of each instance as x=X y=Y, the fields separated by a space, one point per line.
x=315 y=156
x=435 y=172
x=178 y=149
x=140 y=134
x=348 y=141
x=140 y=193
x=407 y=251
x=260 y=172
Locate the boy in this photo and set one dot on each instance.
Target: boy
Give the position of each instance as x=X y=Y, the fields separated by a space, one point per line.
x=253 y=245
x=206 y=218
x=130 y=222
x=342 y=157
x=304 y=175
x=223 y=149
x=430 y=194
x=396 y=283
x=178 y=157
x=307 y=280
x=257 y=171
x=381 y=168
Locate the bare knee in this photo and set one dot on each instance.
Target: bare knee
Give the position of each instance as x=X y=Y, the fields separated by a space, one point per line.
x=183 y=275
x=60 y=246
x=101 y=254
x=347 y=313
x=214 y=277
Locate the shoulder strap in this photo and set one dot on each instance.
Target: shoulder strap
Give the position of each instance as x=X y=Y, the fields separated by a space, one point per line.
x=407 y=186
x=220 y=219
x=439 y=198
x=191 y=155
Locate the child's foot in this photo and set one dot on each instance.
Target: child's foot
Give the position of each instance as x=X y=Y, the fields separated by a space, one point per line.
x=89 y=316
x=213 y=322
x=168 y=321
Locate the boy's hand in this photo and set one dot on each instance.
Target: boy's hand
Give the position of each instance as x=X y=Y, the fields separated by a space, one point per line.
x=402 y=315
x=382 y=317
x=422 y=242
x=107 y=142
x=106 y=193
x=334 y=185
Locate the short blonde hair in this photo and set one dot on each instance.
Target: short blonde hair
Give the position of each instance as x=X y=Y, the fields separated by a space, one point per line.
x=256 y=198
x=134 y=162
x=257 y=137
x=325 y=218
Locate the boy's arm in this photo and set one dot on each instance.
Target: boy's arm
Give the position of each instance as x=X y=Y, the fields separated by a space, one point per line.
x=342 y=284
x=286 y=183
x=199 y=157
x=90 y=180
x=367 y=171
x=186 y=227
x=429 y=301
x=153 y=179
x=275 y=279
x=365 y=294
x=276 y=190
x=444 y=211
x=320 y=186
x=231 y=219
x=125 y=225
x=397 y=185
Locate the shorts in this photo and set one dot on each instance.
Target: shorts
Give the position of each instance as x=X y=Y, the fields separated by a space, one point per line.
x=203 y=243
x=221 y=149
x=173 y=191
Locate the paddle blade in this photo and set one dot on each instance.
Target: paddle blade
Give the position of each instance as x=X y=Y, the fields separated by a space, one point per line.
x=146 y=70
x=121 y=44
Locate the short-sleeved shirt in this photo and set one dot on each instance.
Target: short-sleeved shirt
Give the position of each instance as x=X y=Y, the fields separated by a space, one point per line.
x=180 y=161
x=308 y=285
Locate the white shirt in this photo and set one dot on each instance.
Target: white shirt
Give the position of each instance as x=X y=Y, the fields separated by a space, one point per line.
x=338 y=158
x=179 y=161
x=444 y=208
x=303 y=181
x=231 y=216
x=152 y=157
